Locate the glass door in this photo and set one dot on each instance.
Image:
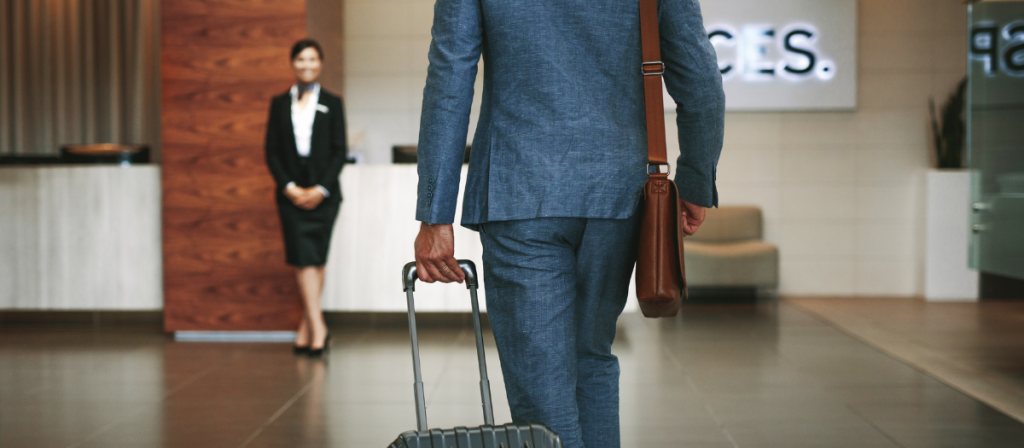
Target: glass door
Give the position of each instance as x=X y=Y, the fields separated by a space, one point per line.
x=995 y=137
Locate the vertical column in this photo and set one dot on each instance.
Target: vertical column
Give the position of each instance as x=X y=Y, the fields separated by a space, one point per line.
x=221 y=62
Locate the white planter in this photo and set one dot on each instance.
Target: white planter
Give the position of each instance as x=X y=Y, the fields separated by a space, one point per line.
x=948 y=233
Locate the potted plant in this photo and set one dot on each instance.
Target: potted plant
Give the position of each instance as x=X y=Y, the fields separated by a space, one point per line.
x=947 y=276
x=950 y=132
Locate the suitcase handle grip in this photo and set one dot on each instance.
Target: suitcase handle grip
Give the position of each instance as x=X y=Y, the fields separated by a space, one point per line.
x=409 y=275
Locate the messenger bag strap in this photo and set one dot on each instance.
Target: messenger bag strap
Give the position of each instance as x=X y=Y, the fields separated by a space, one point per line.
x=652 y=70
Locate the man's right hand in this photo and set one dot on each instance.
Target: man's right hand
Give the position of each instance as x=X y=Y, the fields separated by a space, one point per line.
x=435 y=254
x=692 y=216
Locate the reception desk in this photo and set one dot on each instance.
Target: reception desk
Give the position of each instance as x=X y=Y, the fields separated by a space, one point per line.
x=88 y=238
x=80 y=237
x=373 y=239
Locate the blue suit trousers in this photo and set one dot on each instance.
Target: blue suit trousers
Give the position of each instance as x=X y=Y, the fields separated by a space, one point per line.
x=555 y=288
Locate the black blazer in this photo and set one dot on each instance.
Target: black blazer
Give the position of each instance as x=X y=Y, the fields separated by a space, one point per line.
x=328 y=148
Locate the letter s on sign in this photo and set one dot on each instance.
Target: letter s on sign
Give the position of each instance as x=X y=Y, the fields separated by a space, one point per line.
x=788 y=43
x=800 y=55
x=1013 y=56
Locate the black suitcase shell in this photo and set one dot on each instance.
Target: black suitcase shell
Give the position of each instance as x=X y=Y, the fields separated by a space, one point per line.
x=506 y=436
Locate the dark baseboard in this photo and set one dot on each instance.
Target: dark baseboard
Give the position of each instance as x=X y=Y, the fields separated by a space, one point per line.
x=721 y=295
x=153 y=319
x=399 y=319
x=993 y=286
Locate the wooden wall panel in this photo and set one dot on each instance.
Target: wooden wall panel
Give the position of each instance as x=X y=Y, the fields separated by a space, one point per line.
x=221 y=62
x=325 y=21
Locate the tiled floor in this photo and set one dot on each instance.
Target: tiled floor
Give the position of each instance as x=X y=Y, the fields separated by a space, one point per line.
x=977 y=348
x=764 y=376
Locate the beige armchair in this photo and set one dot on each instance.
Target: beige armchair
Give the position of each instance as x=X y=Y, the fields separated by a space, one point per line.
x=727 y=251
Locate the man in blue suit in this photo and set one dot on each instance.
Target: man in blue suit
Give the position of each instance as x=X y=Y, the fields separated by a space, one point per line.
x=558 y=164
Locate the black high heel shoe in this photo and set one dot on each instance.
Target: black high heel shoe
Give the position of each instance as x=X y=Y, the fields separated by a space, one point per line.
x=318 y=352
x=300 y=349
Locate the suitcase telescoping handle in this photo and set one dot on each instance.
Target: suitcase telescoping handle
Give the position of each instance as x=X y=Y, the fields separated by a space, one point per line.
x=409 y=277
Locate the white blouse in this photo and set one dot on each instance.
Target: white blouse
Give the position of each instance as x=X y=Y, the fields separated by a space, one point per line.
x=302 y=125
x=302 y=118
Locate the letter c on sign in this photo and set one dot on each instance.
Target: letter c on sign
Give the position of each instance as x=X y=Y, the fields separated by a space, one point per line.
x=723 y=36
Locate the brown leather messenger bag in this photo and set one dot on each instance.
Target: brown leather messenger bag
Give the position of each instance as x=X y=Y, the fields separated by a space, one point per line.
x=660 y=271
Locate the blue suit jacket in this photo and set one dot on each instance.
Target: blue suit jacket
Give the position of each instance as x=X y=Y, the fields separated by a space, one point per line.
x=561 y=130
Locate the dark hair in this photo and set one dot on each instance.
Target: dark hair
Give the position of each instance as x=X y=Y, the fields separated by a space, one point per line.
x=304 y=44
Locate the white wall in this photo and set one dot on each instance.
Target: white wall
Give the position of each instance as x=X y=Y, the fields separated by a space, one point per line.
x=841 y=191
x=386 y=44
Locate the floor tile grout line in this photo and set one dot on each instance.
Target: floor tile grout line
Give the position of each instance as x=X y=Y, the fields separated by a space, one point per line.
x=305 y=389
x=729 y=436
x=875 y=427
x=120 y=420
x=99 y=432
x=939 y=377
x=446 y=364
x=714 y=415
x=711 y=411
x=189 y=381
x=671 y=356
x=700 y=396
x=876 y=347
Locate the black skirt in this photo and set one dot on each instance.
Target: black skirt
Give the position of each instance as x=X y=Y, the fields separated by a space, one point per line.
x=307 y=233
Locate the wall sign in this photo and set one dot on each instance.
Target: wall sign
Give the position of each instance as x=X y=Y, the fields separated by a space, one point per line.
x=785 y=55
x=996 y=53
x=745 y=53
x=1000 y=47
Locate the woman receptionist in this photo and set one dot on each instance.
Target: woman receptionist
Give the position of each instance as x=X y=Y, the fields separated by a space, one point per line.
x=306 y=151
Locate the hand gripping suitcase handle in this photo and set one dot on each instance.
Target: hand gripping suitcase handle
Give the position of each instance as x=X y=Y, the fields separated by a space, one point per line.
x=409 y=277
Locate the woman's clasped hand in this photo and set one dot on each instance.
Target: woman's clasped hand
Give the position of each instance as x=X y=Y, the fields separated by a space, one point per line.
x=304 y=198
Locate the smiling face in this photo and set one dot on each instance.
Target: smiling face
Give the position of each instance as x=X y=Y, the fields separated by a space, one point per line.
x=307 y=66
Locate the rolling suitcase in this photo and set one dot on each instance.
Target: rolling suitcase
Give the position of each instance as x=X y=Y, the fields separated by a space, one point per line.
x=486 y=436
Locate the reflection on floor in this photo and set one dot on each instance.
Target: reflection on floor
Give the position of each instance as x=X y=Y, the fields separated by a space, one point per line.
x=977 y=348
x=756 y=376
